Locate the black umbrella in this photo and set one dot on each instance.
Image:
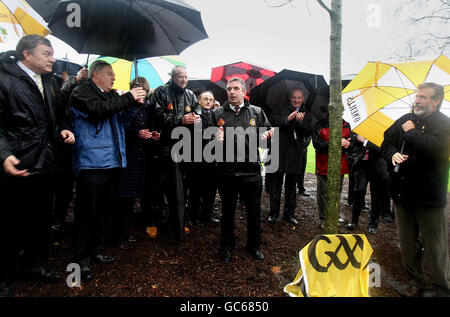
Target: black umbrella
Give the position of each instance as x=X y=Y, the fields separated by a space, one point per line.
x=45 y=8
x=274 y=92
x=200 y=85
x=128 y=29
x=64 y=65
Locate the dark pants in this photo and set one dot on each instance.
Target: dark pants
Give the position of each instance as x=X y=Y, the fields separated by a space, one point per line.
x=290 y=202
x=152 y=202
x=379 y=193
x=93 y=205
x=64 y=184
x=301 y=177
x=431 y=224
x=122 y=211
x=250 y=192
x=202 y=185
x=24 y=223
x=172 y=182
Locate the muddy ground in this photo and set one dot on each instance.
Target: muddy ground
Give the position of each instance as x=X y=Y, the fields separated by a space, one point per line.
x=158 y=268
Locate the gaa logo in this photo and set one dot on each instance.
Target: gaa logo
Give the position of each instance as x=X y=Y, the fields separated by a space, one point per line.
x=333 y=255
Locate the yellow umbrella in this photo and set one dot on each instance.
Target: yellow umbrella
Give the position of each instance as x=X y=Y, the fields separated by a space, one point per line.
x=17 y=19
x=383 y=92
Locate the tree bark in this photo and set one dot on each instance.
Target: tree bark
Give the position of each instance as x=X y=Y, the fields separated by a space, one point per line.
x=335 y=118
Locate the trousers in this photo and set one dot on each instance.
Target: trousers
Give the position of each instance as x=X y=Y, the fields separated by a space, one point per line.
x=431 y=224
x=230 y=188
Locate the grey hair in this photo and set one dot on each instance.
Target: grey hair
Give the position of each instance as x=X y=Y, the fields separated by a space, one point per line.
x=175 y=70
x=97 y=66
x=29 y=43
x=438 y=91
x=239 y=80
x=291 y=91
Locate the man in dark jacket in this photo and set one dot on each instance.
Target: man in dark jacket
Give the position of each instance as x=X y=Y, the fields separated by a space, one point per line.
x=294 y=125
x=418 y=144
x=240 y=175
x=201 y=177
x=369 y=166
x=30 y=127
x=172 y=106
x=98 y=154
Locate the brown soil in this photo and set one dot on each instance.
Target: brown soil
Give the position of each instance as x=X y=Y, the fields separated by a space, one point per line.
x=157 y=268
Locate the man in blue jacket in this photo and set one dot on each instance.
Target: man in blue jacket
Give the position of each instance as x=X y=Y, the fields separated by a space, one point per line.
x=99 y=152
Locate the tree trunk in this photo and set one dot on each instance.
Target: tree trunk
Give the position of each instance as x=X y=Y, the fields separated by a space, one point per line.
x=335 y=117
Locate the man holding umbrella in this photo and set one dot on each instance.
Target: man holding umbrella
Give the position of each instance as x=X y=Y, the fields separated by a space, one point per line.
x=98 y=154
x=419 y=144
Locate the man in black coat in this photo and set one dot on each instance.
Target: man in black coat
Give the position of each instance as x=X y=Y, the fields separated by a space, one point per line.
x=172 y=106
x=294 y=125
x=201 y=178
x=369 y=166
x=418 y=144
x=31 y=125
x=240 y=175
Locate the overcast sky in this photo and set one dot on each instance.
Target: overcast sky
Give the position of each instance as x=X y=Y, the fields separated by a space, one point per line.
x=294 y=36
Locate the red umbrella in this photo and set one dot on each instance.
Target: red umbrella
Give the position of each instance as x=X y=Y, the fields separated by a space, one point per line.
x=252 y=75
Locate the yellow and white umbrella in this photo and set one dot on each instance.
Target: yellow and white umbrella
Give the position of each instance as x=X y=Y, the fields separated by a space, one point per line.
x=383 y=92
x=17 y=19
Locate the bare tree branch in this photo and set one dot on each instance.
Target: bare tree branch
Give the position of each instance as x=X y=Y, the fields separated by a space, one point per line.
x=323 y=5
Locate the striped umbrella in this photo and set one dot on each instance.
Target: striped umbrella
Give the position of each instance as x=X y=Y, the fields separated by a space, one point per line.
x=155 y=69
x=382 y=92
x=252 y=75
x=18 y=19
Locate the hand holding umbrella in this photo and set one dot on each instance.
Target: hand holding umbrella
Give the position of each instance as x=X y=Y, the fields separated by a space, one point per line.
x=139 y=94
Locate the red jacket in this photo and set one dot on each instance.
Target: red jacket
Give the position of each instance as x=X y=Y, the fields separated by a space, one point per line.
x=321 y=136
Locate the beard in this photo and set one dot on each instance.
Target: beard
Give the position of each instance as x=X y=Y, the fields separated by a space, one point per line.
x=423 y=112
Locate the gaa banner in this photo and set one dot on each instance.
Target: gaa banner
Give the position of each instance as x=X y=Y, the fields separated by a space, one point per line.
x=333 y=265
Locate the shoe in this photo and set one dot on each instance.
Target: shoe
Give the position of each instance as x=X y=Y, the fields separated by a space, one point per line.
x=322 y=224
x=257 y=254
x=292 y=221
x=373 y=230
x=152 y=232
x=226 y=254
x=305 y=194
x=104 y=259
x=271 y=219
x=5 y=291
x=365 y=207
x=351 y=225
x=86 y=273
x=388 y=219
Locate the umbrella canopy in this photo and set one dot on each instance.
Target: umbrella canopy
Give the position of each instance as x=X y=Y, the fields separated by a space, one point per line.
x=129 y=29
x=45 y=8
x=200 y=85
x=155 y=69
x=252 y=75
x=274 y=92
x=64 y=65
x=18 y=19
x=383 y=92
